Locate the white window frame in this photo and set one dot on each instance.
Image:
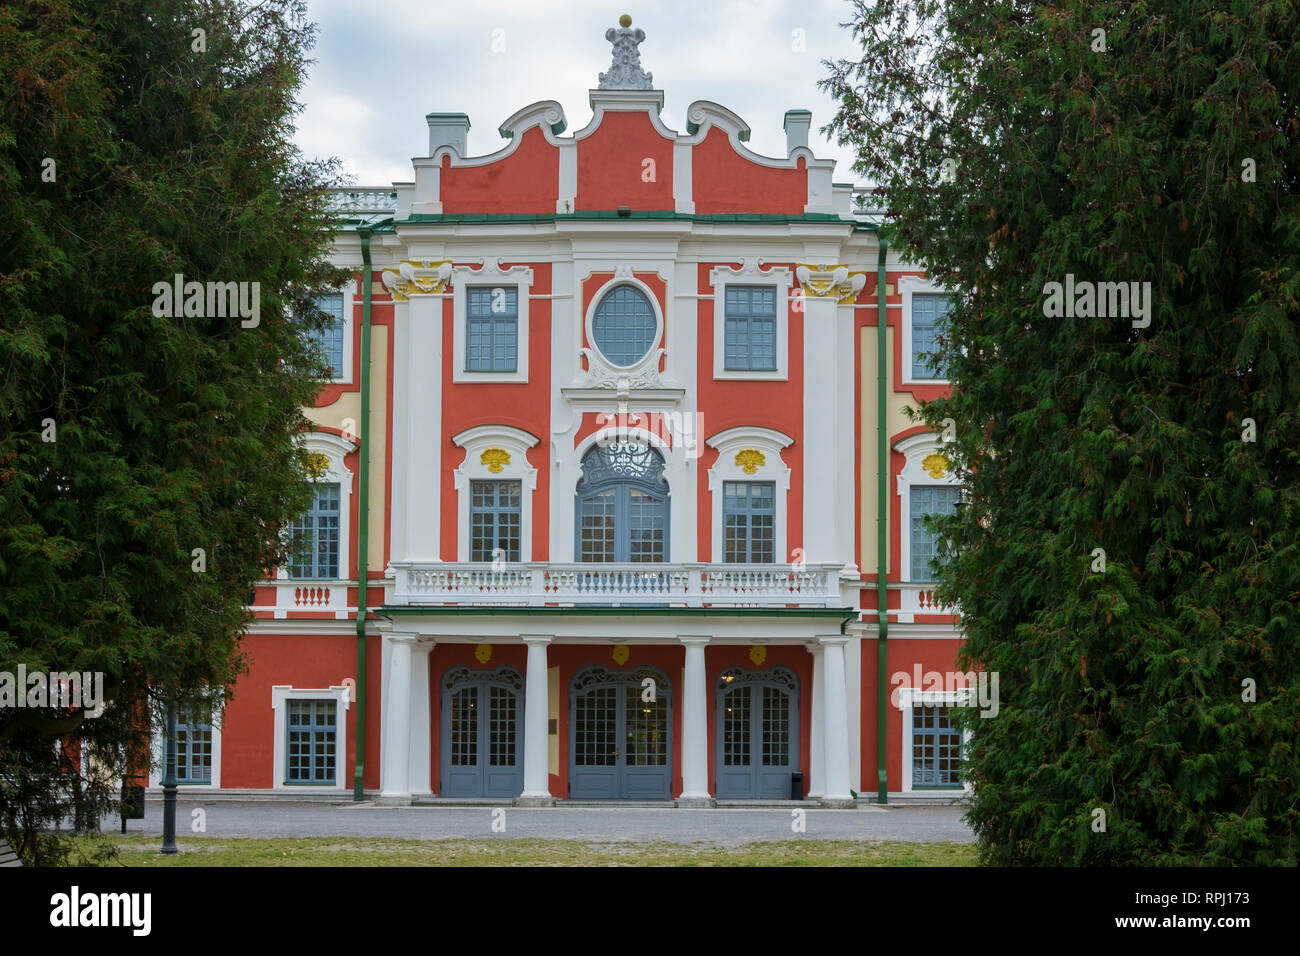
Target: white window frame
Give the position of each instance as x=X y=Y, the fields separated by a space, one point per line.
x=774 y=469
x=333 y=448
x=750 y=273
x=284 y=692
x=909 y=697
x=159 y=741
x=490 y=275
x=915 y=449
x=516 y=443
x=348 y=299
x=907 y=287
x=601 y=368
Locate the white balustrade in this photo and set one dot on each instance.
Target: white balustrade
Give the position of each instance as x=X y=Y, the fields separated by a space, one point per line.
x=691 y=585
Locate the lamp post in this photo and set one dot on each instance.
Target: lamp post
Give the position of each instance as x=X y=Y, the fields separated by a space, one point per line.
x=169 y=782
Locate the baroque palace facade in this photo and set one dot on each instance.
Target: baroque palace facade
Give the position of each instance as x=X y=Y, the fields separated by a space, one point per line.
x=605 y=447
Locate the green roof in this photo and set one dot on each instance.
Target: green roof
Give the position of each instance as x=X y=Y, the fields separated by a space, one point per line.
x=641 y=214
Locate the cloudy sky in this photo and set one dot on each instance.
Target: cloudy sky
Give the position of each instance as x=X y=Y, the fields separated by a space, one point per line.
x=382 y=65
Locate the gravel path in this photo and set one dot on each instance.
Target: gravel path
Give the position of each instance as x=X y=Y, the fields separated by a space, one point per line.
x=721 y=827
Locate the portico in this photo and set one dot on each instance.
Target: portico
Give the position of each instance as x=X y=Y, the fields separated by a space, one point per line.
x=615 y=703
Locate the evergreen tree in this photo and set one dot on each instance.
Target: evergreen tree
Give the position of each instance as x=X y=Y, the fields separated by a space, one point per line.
x=147 y=460
x=1126 y=557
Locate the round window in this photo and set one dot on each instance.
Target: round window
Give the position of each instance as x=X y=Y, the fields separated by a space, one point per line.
x=624 y=326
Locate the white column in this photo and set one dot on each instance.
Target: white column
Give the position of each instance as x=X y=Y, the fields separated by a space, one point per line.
x=836 y=720
x=420 y=722
x=396 y=781
x=817 y=735
x=695 y=726
x=537 y=791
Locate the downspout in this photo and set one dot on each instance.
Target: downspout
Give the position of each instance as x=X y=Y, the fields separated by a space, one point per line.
x=363 y=516
x=882 y=523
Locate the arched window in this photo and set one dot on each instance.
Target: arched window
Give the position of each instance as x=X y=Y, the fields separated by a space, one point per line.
x=624 y=326
x=622 y=504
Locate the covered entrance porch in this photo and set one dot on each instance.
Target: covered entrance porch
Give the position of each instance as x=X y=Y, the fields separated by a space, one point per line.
x=531 y=704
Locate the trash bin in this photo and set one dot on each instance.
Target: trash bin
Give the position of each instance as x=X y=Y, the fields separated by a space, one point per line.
x=796 y=786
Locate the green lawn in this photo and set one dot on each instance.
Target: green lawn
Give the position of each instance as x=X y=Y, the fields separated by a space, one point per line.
x=383 y=851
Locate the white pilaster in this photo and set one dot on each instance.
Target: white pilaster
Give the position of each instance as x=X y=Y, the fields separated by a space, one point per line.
x=822 y=402
x=537 y=791
x=401 y=427
x=423 y=433
x=396 y=769
x=817 y=735
x=836 y=719
x=695 y=726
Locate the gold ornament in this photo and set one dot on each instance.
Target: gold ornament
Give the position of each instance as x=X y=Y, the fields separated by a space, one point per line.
x=758 y=654
x=936 y=464
x=749 y=460
x=318 y=464
x=621 y=653
x=483 y=653
x=495 y=459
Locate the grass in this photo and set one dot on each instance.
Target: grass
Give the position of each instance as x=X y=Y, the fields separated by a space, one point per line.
x=142 y=850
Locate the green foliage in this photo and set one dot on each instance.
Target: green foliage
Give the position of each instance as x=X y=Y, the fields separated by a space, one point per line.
x=1121 y=690
x=171 y=433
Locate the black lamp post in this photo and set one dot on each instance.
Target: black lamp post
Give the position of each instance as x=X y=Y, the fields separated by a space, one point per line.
x=169 y=782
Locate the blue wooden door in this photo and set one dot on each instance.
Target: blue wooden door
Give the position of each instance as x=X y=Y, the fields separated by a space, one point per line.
x=757 y=725
x=482 y=733
x=620 y=737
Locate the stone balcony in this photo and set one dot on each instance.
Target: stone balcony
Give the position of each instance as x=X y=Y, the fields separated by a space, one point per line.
x=670 y=585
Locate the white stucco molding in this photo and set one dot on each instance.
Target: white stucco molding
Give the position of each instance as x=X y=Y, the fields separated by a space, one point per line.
x=926 y=464
x=907 y=287
x=334 y=448
x=768 y=443
x=751 y=272
x=280 y=693
x=480 y=464
x=492 y=274
x=906 y=699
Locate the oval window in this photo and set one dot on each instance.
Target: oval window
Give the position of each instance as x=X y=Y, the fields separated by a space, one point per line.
x=624 y=326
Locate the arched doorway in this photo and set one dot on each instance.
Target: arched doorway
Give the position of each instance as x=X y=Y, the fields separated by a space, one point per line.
x=620 y=734
x=482 y=752
x=757 y=732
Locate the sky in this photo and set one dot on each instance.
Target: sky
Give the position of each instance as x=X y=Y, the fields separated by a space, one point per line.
x=382 y=65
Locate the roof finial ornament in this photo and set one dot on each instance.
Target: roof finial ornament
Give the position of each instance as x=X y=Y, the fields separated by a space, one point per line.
x=625 y=72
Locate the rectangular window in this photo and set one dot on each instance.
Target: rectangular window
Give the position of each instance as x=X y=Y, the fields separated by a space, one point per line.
x=928 y=324
x=330 y=339
x=193 y=747
x=748 y=516
x=311 y=741
x=929 y=500
x=494 y=519
x=492 y=327
x=315 y=537
x=936 y=747
x=750 y=340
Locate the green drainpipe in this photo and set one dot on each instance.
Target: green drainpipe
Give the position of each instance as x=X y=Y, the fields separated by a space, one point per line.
x=882 y=524
x=363 y=517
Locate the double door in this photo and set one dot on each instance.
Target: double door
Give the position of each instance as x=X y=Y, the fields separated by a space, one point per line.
x=620 y=743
